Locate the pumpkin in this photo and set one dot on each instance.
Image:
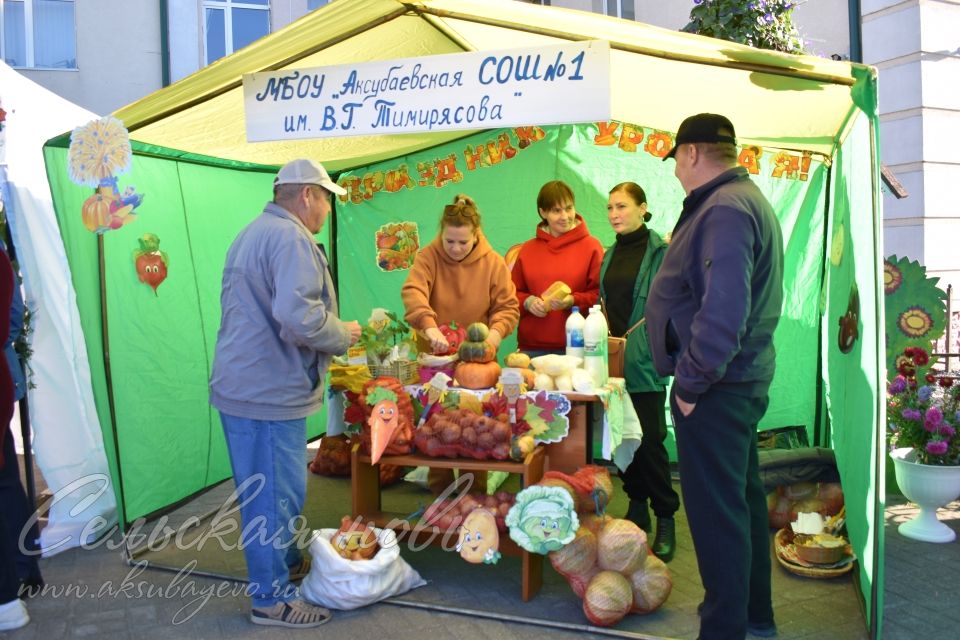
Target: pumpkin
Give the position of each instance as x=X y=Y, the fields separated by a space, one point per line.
x=608 y=598
x=517 y=359
x=96 y=210
x=477 y=332
x=477 y=375
x=455 y=335
x=471 y=351
x=529 y=378
x=651 y=585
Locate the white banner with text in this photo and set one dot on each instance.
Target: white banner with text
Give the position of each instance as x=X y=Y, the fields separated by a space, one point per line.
x=480 y=90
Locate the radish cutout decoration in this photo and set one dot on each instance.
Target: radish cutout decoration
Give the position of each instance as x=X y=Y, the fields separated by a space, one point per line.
x=150 y=262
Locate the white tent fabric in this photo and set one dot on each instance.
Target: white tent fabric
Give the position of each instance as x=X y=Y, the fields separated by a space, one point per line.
x=67 y=439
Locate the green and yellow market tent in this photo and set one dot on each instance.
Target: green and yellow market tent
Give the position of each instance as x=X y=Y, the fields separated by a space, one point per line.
x=808 y=134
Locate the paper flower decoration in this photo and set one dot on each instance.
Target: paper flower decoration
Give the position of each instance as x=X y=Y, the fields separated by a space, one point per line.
x=99 y=151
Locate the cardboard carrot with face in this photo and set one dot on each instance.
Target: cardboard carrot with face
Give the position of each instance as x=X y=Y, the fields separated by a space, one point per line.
x=384 y=421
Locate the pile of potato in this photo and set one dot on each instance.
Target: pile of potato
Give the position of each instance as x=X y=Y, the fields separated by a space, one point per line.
x=461 y=433
x=450 y=514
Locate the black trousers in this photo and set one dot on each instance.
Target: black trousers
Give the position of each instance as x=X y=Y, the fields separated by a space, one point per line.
x=9 y=582
x=727 y=510
x=16 y=513
x=648 y=476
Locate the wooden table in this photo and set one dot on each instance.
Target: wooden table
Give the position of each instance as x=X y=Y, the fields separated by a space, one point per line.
x=576 y=450
x=365 y=494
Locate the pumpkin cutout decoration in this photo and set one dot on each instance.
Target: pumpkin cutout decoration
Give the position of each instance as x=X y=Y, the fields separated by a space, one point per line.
x=355 y=540
x=96 y=209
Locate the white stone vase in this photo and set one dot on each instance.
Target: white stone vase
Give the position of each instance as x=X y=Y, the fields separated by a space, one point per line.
x=930 y=487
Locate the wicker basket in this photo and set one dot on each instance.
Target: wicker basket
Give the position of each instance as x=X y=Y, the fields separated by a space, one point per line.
x=406 y=371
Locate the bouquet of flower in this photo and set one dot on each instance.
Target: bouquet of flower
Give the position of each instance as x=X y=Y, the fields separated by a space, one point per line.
x=923 y=412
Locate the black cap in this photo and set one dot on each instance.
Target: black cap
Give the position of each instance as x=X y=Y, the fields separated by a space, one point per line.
x=703 y=127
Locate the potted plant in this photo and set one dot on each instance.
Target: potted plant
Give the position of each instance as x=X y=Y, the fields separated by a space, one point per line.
x=923 y=413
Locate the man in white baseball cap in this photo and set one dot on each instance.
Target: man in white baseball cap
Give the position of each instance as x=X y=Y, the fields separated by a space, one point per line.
x=278 y=331
x=305 y=171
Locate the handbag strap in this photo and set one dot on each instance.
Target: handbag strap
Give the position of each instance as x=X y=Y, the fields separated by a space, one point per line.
x=637 y=325
x=603 y=309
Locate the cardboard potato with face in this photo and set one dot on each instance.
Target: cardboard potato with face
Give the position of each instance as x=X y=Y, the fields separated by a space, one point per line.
x=479 y=540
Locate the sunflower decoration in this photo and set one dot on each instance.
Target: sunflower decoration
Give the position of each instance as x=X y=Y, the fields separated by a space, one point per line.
x=915 y=307
x=892 y=277
x=99 y=152
x=915 y=322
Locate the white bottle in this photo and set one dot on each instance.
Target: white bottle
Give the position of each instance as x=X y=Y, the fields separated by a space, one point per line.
x=574 y=329
x=595 y=346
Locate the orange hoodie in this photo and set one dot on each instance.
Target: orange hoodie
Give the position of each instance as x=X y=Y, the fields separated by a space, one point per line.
x=476 y=289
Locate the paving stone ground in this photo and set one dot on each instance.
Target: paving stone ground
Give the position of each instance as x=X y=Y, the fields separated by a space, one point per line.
x=94 y=593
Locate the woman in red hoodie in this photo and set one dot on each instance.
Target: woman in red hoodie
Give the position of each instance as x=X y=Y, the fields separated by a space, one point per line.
x=563 y=250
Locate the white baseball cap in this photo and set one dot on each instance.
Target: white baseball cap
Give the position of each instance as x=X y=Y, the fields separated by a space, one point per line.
x=305 y=171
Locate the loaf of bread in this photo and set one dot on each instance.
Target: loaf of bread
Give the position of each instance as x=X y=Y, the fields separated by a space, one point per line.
x=556 y=291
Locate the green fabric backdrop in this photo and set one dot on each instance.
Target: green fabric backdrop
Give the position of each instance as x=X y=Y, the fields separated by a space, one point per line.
x=160 y=346
x=506 y=194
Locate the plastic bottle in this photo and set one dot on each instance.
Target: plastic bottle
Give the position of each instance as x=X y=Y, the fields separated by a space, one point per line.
x=595 y=346
x=574 y=329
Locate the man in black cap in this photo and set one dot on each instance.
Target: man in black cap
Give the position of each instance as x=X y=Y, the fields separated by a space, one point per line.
x=711 y=314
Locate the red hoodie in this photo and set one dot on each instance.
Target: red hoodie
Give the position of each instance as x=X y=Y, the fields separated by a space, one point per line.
x=575 y=259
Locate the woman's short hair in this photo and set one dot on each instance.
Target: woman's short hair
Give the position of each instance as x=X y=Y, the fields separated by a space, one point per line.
x=462 y=213
x=555 y=192
x=636 y=194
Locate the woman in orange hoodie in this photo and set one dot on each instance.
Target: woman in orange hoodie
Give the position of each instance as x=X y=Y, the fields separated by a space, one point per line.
x=459 y=277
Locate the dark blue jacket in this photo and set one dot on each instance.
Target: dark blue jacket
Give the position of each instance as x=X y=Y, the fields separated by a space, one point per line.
x=716 y=300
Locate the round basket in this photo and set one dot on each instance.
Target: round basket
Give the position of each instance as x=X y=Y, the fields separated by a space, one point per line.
x=788 y=559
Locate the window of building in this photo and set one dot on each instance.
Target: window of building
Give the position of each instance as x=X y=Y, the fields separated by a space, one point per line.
x=316 y=4
x=620 y=9
x=39 y=34
x=230 y=25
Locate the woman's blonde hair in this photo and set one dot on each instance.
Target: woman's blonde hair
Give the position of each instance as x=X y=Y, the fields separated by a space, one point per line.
x=462 y=213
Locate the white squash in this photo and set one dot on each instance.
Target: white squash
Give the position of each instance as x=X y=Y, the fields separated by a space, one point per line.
x=543 y=382
x=582 y=381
